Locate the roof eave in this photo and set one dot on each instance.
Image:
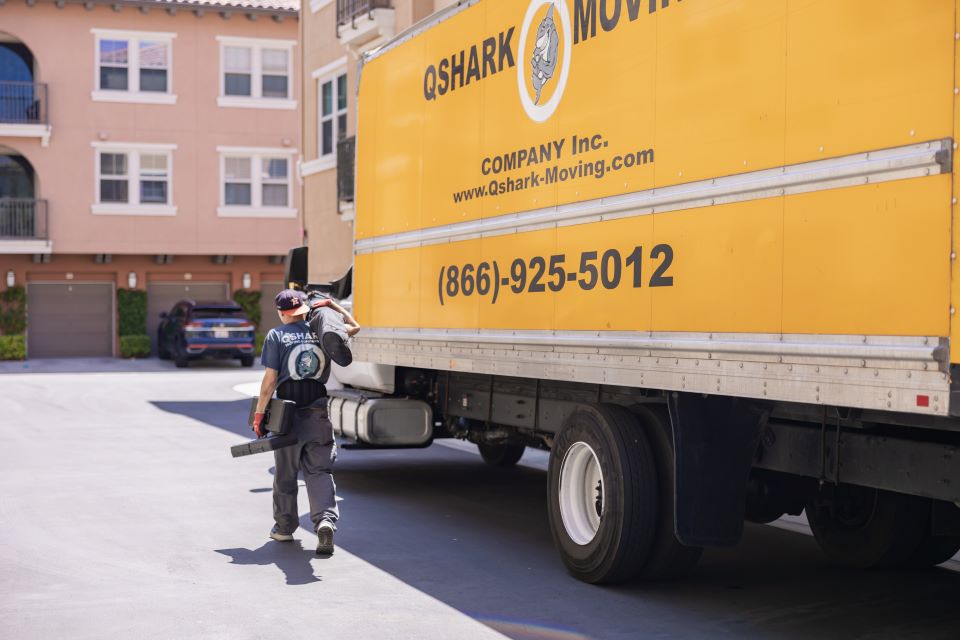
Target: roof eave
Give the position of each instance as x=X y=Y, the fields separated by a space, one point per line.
x=189 y=6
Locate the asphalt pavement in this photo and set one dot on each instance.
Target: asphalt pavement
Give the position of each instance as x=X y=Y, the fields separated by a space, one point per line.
x=123 y=515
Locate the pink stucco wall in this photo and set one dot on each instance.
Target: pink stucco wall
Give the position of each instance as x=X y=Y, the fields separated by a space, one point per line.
x=62 y=42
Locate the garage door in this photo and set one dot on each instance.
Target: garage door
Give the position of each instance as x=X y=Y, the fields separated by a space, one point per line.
x=268 y=310
x=161 y=296
x=70 y=320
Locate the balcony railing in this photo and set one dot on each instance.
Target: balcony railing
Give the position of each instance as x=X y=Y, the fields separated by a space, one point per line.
x=23 y=102
x=346 y=162
x=23 y=219
x=349 y=10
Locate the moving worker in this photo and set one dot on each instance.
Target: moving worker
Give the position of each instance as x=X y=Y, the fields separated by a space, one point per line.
x=297 y=369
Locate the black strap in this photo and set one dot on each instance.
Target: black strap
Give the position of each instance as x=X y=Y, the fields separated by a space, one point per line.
x=302 y=392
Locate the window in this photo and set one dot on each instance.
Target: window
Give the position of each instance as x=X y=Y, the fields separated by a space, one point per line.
x=276 y=182
x=274 y=73
x=114 y=181
x=154 y=178
x=256 y=182
x=133 y=179
x=237 y=71
x=133 y=66
x=154 y=64
x=238 y=182
x=333 y=113
x=113 y=65
x=332 y=100
x=256 y=73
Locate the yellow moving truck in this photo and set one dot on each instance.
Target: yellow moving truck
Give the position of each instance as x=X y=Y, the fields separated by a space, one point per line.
x=702 y=250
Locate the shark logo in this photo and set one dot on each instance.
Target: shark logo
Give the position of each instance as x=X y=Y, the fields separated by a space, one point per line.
x=544 y=61
x=545 y=41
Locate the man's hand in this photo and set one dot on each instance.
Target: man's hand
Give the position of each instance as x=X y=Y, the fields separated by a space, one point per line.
x=257 y=421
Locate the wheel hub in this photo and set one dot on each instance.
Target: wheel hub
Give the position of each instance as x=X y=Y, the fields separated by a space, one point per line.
x=581 y=493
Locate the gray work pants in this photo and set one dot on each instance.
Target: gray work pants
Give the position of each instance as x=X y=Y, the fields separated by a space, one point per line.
x=314 y=454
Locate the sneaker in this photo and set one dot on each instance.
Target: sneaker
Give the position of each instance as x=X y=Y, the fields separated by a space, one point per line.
x=282 y=537
x=325 y=538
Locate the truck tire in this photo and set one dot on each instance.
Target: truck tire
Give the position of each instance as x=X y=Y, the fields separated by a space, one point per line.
x=869 y=528
x=934 y=550
x=502 y=455
x=937 y=549
x=668 y=557
x=602 y=494
x=246 y=361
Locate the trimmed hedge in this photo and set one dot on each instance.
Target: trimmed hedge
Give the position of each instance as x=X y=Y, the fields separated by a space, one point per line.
x=132 y=307
x=250 y=301
x=135 y=346
x=13 y=347
x=13 y=311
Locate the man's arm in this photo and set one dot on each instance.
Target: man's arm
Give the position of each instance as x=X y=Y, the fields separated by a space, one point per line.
x=267 y=386
x=352 y=325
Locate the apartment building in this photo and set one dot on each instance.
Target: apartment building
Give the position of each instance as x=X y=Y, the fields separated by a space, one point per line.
x=335 y=34
x=144 y=144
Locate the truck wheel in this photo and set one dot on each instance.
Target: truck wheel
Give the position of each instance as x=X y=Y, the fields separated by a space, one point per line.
x=501 y=455
x=668 y=557
x=246 y=361
x=602 y=494
x=934 y=550
x=865 y=528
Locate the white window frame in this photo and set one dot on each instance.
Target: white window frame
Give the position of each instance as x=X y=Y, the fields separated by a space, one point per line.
x=134 y=207
x=328 y=72
x=133 y=93
x=256 y=209
x=256 y=100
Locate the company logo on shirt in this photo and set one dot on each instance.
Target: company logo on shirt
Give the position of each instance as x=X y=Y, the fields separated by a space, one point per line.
x=306 y=361
x=289 y=338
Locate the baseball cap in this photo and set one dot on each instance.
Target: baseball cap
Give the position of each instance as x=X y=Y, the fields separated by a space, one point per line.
x=291 y=302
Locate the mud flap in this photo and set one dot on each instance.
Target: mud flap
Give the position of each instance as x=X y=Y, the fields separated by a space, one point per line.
x=715 y=439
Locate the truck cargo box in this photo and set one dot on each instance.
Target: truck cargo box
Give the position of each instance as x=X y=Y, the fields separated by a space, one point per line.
x=739 y=198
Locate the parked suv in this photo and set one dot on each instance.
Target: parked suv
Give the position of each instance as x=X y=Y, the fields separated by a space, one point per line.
x=195 y=330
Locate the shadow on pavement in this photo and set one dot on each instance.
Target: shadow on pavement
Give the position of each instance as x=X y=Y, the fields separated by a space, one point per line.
x=229 y=415
x=290 y=557
x=477 y=539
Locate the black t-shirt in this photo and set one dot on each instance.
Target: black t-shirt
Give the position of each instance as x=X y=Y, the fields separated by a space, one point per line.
x=294 y=352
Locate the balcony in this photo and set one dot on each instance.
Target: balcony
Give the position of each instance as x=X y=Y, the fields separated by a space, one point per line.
x=346 y=163
x=23 y=226
x=363 y=24
x=23 y=110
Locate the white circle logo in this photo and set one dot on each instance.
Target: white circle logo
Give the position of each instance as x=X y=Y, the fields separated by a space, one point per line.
x=551 y=48
x=306 y=361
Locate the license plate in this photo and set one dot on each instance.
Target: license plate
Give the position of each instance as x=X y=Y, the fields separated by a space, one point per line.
x=221 y=333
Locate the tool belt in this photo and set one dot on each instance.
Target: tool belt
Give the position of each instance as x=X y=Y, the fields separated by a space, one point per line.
x=302 y=392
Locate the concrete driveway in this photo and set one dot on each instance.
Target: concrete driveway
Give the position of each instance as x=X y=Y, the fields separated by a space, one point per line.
x=122 y=514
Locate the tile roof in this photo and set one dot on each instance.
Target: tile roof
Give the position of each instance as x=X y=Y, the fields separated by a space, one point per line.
x=239 y=5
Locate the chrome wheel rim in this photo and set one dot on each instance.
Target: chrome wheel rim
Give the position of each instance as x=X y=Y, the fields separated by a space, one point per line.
x=581 y=493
